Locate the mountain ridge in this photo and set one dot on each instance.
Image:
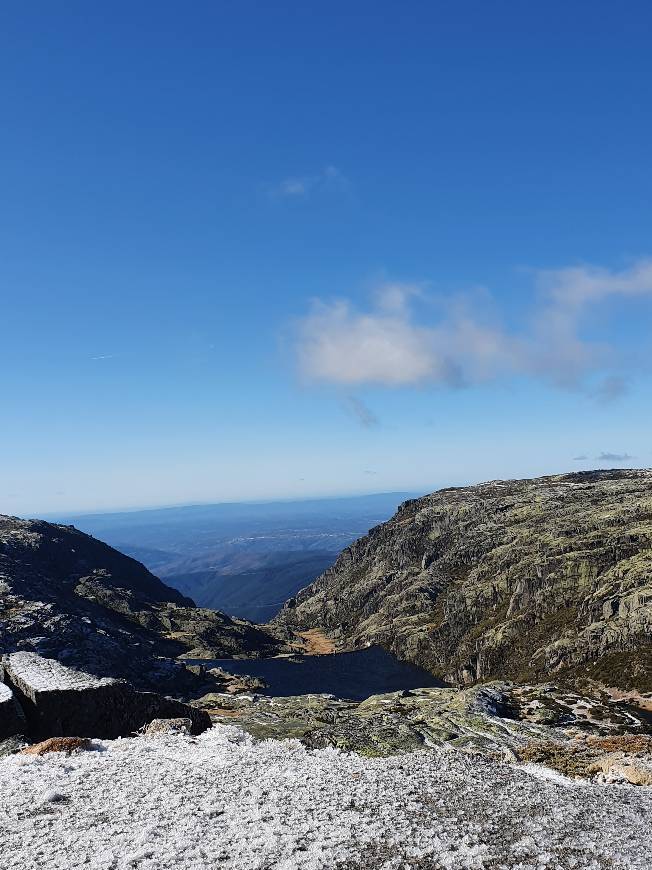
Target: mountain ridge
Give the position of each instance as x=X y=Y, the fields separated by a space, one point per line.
x=66 y=595
x=514 y=579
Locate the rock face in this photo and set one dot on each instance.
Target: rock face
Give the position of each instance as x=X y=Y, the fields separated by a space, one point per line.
x=62 y=702
x=68 y=596
x=12 y=718
x=512 y=579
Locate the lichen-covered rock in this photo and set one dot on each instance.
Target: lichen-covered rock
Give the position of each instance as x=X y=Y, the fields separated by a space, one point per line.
x=63 y=702
x=235 y=684
x=488 y=719
x=512 y=579
x=12 y=718
x=168 y=726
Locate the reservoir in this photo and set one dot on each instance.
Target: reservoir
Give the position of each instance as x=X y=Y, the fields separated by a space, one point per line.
x=353 y=675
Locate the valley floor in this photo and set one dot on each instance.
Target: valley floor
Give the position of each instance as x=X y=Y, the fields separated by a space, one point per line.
x=221 y=800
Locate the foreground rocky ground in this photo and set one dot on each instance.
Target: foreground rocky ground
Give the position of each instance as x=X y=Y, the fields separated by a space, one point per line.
x=221 y=799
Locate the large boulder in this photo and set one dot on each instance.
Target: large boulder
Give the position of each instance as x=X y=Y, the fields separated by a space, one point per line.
x=12 y=719
x=61 y=702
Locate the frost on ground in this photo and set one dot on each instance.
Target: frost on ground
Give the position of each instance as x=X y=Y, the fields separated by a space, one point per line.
x=40 y=674
x=221 y=800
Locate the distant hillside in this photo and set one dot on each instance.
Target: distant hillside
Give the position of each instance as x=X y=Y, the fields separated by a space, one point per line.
x=245 y=559
x=252 y=585
x=68 y=596
x=517 y=579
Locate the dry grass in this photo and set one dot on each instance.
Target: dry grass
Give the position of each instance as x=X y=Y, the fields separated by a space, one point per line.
x=58 y=744
x=569 y=760
x=316 y=643
x=579 y=758
x=621 y=743
x=223 y=712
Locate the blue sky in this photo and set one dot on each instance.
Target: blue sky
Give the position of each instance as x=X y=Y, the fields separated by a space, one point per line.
x=258 y=250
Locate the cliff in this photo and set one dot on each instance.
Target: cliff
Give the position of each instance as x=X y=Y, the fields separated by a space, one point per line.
x=518 y=580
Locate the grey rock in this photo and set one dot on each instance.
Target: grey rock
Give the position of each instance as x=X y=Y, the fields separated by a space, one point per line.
x=168 y=726
x=11 y=745
x=12 y=718
x=62 y=702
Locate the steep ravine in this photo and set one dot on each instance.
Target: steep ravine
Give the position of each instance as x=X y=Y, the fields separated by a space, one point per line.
x=520 y=580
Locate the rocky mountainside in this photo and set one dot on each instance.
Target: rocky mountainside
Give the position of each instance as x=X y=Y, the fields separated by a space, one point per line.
x=515 y=580
x=68 y=596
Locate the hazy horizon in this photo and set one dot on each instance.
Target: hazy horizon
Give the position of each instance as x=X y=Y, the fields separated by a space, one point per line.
x=235 y=503
x=317 y=497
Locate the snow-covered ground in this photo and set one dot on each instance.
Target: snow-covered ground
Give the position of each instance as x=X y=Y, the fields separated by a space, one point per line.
x=220 y=800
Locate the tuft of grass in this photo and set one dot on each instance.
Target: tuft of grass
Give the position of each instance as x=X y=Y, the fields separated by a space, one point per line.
x=58 y=744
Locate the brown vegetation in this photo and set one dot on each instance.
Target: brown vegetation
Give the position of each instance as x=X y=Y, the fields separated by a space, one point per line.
x=316 y=643
x=58 y=744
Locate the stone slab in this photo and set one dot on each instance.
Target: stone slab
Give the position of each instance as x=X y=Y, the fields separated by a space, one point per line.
x=62 y=702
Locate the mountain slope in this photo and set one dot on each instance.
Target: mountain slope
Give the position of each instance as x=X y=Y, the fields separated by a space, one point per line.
x=244 y=559
x=511 y=579
x=68 y=596
x=251 y=584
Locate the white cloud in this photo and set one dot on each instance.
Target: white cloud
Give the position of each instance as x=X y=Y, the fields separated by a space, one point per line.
x=574 y=287
x=293 y=187
x=390 y=344
x=340 y=345
x=328 y=179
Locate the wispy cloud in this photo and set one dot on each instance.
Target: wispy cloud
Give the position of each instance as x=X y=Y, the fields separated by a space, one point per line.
x=614 y=457
x=328 y=179
x=610 y=388
x=361 y=412
x=105 y=356
x=460 y=342
x=581 y=458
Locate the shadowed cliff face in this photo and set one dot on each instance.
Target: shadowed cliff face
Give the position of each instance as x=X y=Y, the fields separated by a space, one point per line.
x=512 y=579
x=68 y=596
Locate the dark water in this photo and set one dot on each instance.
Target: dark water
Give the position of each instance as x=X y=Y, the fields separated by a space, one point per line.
x=354 y=675
x=645 y=715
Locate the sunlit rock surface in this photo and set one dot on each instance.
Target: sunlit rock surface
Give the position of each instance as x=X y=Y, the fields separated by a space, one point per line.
x=516 y=580
x=481 y=719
